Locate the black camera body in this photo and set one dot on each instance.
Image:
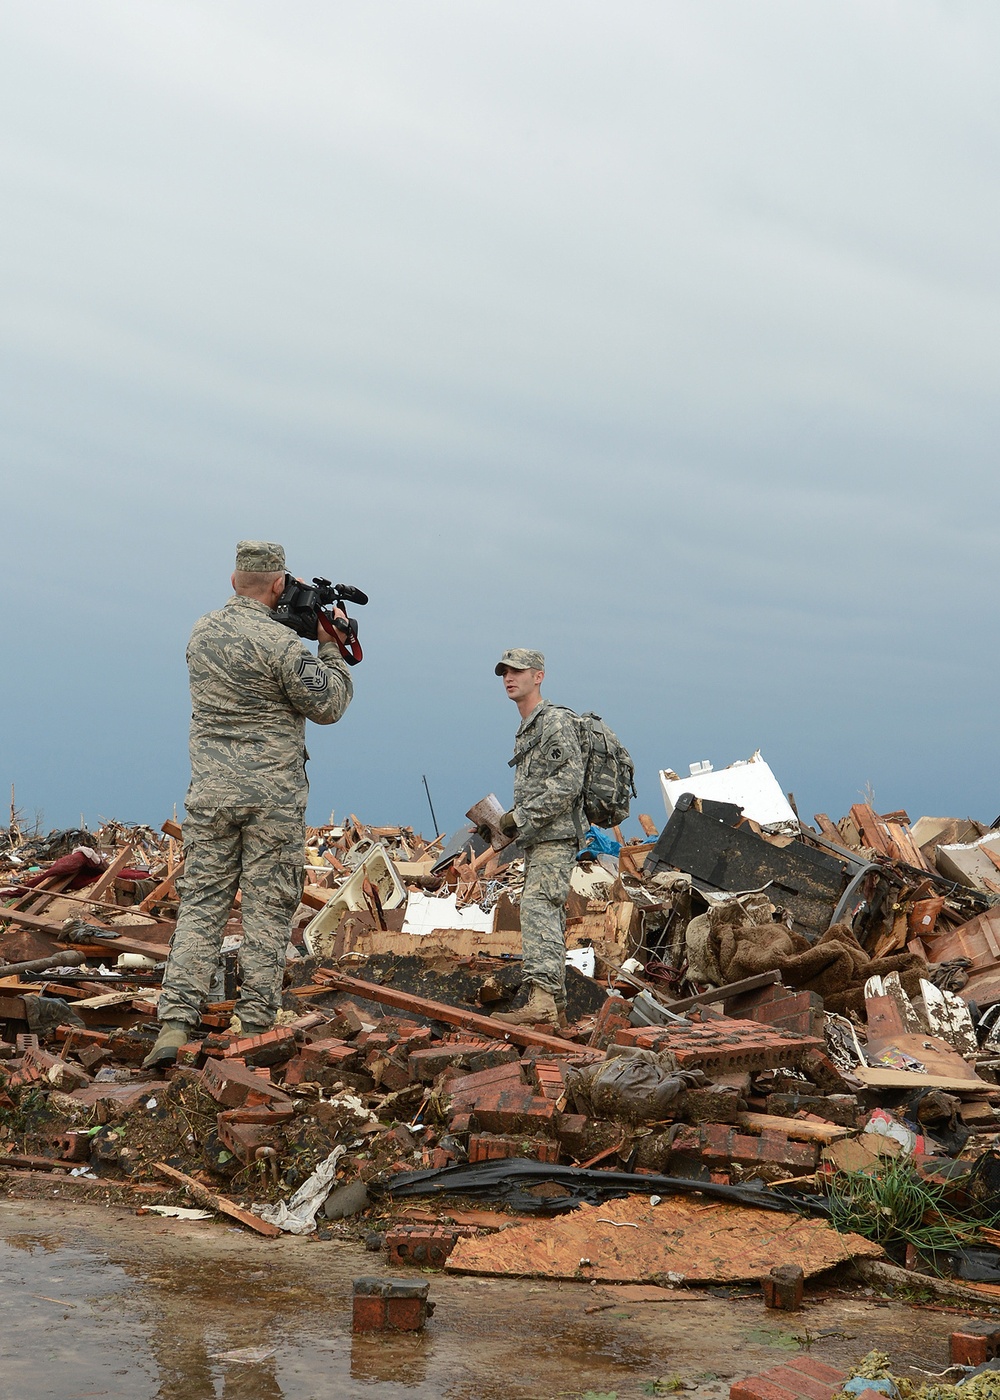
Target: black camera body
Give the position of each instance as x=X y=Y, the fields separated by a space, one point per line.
x=301 y=603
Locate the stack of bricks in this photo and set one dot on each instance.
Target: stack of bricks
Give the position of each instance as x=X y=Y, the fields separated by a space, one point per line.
x=491 y=1147
x=778 y=1006
x=320 y=1055
x=723 y=1045
x=718 y=1145
x=233 y=1085
x=499 y=1101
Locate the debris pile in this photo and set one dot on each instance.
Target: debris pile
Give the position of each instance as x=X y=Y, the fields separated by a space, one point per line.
x=798 y=1023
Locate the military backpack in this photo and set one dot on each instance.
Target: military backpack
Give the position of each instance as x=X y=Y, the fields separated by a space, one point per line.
x=608 y=771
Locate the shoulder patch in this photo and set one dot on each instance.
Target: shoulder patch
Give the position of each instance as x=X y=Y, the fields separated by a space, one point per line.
x=312 y=674
x=555 y=752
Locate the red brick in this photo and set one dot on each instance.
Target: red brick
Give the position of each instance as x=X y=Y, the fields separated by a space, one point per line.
x=490 y=1147
x=405 y=1314
x=425 y=1065
x=797 y=1380
x=573 y=1133
x=426 y=1246
x=819 y=1370
x=243 y=1139
x=759 y=1388
x=548 y=1077
x=468 y=1085
x=724 y=1044
x=612 y=1017
x=369 y=1314
x=800 y=1384
x=974 y=1346
x=717 y=1143
x=270 y=1048
x=512 y=1112
x=231 y=1083
x=490 y=1056
x=374 y=1040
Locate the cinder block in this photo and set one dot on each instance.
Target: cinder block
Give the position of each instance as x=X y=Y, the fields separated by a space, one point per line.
x=388 y=1303
x=426 y=1246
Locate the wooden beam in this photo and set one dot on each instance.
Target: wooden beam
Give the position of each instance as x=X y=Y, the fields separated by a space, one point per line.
x=162 y=888
x=731 y=989
x=798 y=1128
x=439 y=1011
x=211 y=1201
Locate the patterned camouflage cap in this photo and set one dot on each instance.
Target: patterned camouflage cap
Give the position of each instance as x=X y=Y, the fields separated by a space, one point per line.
x=259 y=557
x=520 y=659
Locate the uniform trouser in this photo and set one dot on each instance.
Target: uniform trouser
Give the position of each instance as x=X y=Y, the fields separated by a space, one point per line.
x=548 y=867
x=259 y=851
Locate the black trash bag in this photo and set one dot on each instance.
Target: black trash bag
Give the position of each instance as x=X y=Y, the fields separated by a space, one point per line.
x=631 y=1085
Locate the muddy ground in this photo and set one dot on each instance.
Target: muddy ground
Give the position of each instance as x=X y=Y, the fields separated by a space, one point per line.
x=98 y=1302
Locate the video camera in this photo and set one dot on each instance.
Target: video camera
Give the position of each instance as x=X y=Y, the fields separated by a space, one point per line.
x=301 y=604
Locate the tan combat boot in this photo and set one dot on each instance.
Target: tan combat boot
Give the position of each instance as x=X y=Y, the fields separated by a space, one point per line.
x=173 y=1034
x=540 y=1008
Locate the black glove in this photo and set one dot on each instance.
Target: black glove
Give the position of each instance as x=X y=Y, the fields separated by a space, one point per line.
x=508 y=824
x=484 y=833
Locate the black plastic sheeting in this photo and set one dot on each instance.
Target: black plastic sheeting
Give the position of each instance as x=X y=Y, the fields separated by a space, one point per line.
x=539 y=1188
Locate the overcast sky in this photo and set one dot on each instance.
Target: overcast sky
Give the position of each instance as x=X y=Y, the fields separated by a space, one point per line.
x=662 y=337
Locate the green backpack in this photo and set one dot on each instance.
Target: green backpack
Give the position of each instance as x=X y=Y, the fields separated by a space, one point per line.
x=608 y=771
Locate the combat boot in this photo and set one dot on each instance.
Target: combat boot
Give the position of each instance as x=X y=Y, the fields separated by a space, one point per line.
x=541 y=1007
x=173 y=1034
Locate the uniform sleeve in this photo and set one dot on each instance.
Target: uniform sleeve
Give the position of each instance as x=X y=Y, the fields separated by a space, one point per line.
x=319 y=687
x=556 y=777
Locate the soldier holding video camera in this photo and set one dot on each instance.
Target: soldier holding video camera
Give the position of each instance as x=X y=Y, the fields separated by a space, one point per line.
x=254 y=684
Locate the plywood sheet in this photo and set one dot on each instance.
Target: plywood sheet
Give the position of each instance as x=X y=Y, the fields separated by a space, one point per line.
x=631 y=1241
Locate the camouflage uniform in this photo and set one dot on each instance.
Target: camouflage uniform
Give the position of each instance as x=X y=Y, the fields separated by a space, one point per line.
x=253 y=686
x=548 y=789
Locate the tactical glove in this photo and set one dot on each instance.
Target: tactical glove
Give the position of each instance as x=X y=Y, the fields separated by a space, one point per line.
x=508 y=824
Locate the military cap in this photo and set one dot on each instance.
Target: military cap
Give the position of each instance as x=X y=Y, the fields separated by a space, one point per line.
x=259 y=557
x=520 y=659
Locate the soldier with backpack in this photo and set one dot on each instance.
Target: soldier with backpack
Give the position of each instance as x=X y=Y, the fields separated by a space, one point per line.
x=569 y=770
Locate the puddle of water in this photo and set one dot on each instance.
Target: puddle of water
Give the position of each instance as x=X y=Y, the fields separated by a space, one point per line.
x=77 y=1325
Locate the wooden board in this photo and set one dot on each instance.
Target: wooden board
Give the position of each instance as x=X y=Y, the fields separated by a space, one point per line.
x=450 y=1015
x=211 y=1201
x=905 y=1079
x=702 y=1242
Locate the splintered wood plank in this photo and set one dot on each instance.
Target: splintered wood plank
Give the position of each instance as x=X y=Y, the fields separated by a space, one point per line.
x=908 y=1079
x=801 y=1129
x=828 y=830
x=211 y=1201
x=681 y=1239
x=440 y=1011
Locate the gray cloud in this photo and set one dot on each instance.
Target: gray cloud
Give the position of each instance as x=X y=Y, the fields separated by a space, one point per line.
x=663 y=337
